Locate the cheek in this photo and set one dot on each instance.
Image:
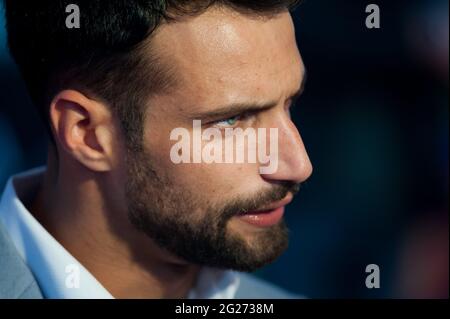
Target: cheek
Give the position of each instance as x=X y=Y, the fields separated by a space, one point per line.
x=225 y=180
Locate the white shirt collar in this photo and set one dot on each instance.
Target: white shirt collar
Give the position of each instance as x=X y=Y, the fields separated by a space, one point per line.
x=57 y=272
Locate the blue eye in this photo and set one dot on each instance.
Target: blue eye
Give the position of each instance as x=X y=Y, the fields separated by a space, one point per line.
x=231 y=121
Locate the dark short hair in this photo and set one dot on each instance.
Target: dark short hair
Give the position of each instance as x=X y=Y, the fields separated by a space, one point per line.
x=104 y=57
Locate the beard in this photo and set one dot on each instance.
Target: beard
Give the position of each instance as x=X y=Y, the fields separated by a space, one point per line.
x=191 y=226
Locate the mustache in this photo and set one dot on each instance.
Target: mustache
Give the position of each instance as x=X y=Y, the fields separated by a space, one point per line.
x=276 y=193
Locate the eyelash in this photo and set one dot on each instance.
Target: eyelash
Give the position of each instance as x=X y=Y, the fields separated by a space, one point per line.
x=245 y=115
x=239 y=117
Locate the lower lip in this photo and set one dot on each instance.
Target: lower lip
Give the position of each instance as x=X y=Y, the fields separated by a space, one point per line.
x=263 y=219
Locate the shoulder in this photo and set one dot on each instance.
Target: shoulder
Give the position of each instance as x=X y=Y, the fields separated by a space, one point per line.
x=252 y=287
x=16 y=280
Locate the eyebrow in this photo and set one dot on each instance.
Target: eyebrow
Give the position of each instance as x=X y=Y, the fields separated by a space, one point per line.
x=239 y=108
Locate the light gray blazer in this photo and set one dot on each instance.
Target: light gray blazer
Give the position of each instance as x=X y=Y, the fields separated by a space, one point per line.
x=16 y=279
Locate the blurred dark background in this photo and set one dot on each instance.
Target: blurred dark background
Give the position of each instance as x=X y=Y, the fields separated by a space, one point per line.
x=374 y=118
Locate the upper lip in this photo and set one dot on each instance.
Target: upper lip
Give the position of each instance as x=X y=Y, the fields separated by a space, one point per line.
x=286 y=200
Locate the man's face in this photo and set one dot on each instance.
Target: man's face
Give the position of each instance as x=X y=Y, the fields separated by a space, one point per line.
x=225 y=215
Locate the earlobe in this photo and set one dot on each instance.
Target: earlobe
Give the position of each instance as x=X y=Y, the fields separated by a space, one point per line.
x=83 y=129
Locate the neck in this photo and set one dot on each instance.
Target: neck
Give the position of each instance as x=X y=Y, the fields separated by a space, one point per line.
x=74 y=209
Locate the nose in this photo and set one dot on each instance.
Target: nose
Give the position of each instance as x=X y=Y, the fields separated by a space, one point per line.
x=294 y=164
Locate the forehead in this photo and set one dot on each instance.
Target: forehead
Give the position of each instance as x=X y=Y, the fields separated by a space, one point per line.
x=222 y=55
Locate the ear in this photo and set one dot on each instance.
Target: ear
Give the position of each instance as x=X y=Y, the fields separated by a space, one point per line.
x=83 y=129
